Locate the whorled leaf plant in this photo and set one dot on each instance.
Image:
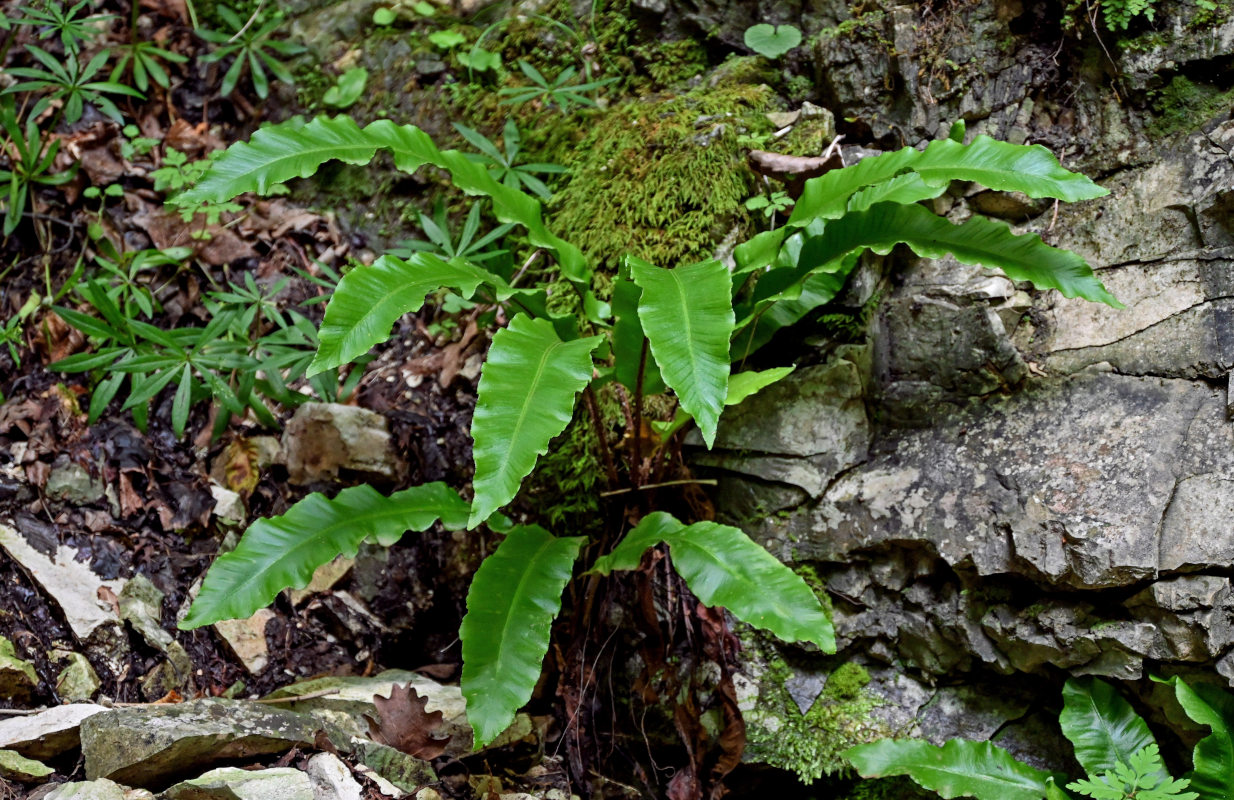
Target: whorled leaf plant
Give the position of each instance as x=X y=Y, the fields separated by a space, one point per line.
x=677 y=329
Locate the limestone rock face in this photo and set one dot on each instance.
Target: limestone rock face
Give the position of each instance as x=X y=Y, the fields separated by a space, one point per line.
x=1010 y=481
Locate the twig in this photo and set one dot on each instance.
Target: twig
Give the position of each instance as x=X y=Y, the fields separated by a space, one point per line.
x=21 y=712
x=646 y=486
x=297 y=698
x=264 y=700
x=597 y=423
x=531 y=259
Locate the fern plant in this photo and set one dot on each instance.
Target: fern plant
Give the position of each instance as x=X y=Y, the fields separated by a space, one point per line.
x=666 y=330
x=1112 y=743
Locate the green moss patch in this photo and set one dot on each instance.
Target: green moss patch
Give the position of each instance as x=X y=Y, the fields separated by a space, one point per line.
x=662 y=180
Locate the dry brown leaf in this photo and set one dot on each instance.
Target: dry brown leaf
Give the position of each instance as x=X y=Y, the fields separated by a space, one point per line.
x=793 y=171
x=193 y=140
x=405 y=725
x=236 y=467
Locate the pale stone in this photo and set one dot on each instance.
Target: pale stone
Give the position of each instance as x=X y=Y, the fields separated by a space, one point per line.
x=246 y=638
x=17 y=676
x=332 y=779
x=48 y=733
x=70 y=583
x=324 y=578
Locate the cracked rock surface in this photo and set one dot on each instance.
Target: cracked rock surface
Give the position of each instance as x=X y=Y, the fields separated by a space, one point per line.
x=1003 y=482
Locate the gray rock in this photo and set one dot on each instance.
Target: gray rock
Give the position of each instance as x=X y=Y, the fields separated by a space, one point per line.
x=141 y=605
x=48 y=733
x=77 y=681
x=232 y=783
x=322 y=438
x=332 y=779
x=73 y=483
x=801 y=431
x=18 y=679
x=153 y=745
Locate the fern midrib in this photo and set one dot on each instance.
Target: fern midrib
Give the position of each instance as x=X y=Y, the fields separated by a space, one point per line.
x=688 y=323
x=503 y=651
x=524 y=410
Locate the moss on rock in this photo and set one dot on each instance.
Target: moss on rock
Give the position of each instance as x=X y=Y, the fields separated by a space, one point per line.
x=662 y=180
x=811 y=744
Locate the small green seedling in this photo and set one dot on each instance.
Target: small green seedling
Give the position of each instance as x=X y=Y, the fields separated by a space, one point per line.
x=771 y=41
x=347 y=91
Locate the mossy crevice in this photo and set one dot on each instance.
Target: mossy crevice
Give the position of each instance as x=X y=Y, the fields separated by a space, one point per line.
x=811 y=744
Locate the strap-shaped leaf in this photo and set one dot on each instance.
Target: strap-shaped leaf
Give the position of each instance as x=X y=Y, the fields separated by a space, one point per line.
x=1213 y=757
x=725 y=567
x=1102 y=726
x=1032 y=170
x=628 y=340
x=957 y=769
x=369 y=300
x=295 y=149
x=281 y=552
x=687 y=316
x=978 y=240
x=525 y=398
x=514 y=597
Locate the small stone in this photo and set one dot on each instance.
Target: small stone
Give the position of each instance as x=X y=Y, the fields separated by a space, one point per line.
x=16 y=767
x=384 y=786
x=782 y=119
x=160 y=681
x=141 y=605
x=96 y=790
x=18 y=679
x=77 y=681
x=322 y=438
x=48 y=733
x=403 y=771
x=151 y=745
x=247 y=639
x=332 y=779
x=232 y=783
x=72 y=483
x=228 y=505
